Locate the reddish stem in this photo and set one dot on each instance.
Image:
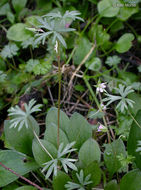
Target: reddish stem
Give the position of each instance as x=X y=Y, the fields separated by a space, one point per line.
x=18 y=175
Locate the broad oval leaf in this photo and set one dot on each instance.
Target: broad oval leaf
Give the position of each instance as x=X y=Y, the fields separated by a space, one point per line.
x=94 y=64
x=20 y=140
x=98 y=33
x=111 y=185
x=134 y=137
x=80 y=130
x=52 y=117
x=124 y=43
x=51 y=135
x=83 y=46
x=108 y=8
x=94 y=170
x=60 y=180
x=19 y=5
x=110 y=155
x=16 y=162
x=39 y=153
x=18 y=32
x=89 y=152
x=126 y=12
x=132 y=180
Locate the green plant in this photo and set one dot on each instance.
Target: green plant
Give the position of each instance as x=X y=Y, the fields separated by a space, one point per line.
x=83 y=182
x=52 y=166
x=23 y=128
x=43 y=50
x=124 y=102
x=139 y=147
x=23 y=118
x=9 y=51
x=55 y=24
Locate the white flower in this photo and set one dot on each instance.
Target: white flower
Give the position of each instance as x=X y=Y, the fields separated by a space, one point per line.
x=56 y=46
x=101 y=87
x=103 y=107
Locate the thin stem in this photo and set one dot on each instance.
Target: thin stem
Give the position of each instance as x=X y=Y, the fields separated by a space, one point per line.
x=31 y=53
x=18 y=175
x=40 y=141
x=70 y=57
x=134 y=119
x=132 y=29
x=111 y=25
x=59 y=93
x=14 y=62
x=42 y=145
x=98 y=105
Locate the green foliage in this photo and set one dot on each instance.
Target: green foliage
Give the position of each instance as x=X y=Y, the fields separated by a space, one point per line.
x=124 y=125
x=20 y=140
x=112 y=185
x=52 y=166
x=51 y=135
x=83 y=46
x=131 y=180
x=139 y=147
x=95 y=171
x=39 y=154
x=2 y=76
x=134 y=137
x=26 y=187
x=33 y=37
x=51 y=117
x=38 y=67
x=9 y=51
x=89 y=152
x=94 y=64
x=106 y=8
x=14 y=160
x=60 y=180
x=23 y=118
x=124 y=43
x=18 y=5
x=21 y=32
x=111 y=154
x=83 y=182
x=124 y=102
x=113 y=60
x=79 y=131
x=100 y=35
x=54 y=23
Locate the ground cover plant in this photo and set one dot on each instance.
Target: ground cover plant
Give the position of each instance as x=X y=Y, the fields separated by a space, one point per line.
x=70 y=101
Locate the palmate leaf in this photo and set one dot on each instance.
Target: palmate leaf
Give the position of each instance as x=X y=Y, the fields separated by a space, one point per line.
x=82 y=182
x=73 y=15
x=139 y=147
x=52 y=166
x=68 y=14
x=9 y=50
x=42 y=37
x=60 y=38
x=20 y=117
x=54 y=24
x=124 y=102
x=2 y=76
x=113 y=60
x=30 y=42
